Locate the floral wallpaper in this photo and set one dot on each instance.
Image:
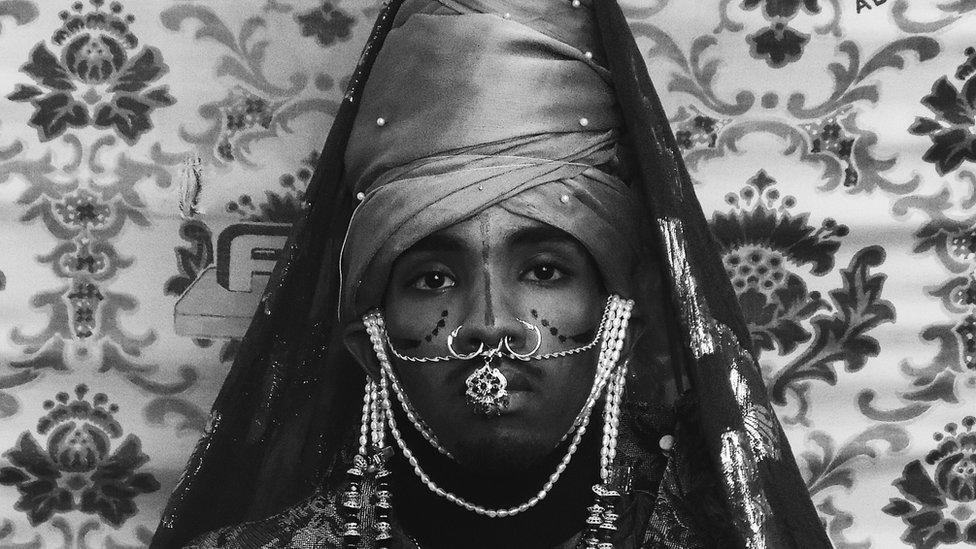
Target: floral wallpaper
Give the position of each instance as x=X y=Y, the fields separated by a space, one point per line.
x=153 y=155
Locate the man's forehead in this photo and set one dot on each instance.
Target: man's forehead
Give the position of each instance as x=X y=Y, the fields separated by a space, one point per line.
x=474 y=233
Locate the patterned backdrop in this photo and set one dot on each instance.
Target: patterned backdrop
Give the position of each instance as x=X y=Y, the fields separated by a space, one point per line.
x=833 y=143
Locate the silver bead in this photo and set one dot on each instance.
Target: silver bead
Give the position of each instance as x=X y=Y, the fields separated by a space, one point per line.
x=360 y=196
x=584 y=122
x=577 y=3
x=381 y=121
x=564 y=199
x=507 y=15
x=588 y=55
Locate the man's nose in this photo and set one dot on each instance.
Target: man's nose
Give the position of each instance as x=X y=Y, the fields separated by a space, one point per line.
x=490 y=319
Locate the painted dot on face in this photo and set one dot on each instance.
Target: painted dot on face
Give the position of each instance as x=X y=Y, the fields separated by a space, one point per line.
x=441 y=322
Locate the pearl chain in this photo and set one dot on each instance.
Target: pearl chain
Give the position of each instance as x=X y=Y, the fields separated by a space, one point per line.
x=376 y=328
x=612 y=332
x=364 y=426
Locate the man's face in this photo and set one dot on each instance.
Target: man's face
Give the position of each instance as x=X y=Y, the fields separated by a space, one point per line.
x=484 y=274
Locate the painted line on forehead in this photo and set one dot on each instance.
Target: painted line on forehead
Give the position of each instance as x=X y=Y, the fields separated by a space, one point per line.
x=485 y=252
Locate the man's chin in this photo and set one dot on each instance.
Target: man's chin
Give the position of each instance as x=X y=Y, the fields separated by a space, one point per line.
x=502 y=455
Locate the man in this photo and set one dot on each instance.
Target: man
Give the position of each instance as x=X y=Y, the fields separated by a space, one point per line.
x=482 y=331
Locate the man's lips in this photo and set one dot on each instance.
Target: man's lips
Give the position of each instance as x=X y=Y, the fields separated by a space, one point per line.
x=517 y=380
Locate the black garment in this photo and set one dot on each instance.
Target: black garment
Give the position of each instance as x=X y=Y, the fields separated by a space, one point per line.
x=732 y=480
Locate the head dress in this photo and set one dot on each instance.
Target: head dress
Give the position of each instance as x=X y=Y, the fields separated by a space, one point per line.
x=423 y=141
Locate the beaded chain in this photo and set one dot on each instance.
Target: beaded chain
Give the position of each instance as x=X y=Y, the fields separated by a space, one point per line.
x=378 y=415
x=376 y=328
x=380 y=337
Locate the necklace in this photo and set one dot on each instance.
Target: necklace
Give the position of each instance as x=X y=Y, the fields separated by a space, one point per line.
x=377 y=414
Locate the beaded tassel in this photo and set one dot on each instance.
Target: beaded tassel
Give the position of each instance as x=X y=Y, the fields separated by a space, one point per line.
x=352 y=497
x=601 y=524
x=370 y=460
x=382 y=498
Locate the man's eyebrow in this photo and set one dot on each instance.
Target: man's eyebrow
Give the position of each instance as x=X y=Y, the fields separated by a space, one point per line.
x=535 y=235
x=437 y=243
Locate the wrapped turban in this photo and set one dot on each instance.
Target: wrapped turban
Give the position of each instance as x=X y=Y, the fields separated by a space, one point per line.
x=485 y=111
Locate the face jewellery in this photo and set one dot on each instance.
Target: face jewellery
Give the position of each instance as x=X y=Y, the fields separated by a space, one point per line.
x=369 y=466
x=487 y=386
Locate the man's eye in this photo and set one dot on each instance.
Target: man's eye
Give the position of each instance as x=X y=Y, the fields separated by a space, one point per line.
x=434 y=280
x=544 y=273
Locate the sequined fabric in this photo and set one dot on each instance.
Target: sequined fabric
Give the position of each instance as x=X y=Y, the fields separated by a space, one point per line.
x=694 y=312
x=757 y=418
x=739 y=469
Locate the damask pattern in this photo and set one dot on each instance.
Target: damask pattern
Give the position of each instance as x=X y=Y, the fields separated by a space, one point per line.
x=153 y=155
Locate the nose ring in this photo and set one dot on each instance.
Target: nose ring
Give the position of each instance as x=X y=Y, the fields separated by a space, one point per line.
x=455 y=354
x=538 y=342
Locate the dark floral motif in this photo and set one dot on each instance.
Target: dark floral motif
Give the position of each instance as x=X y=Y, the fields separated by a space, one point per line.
x=78 y=470
x=286 y=207
x=760 y=240
x=779 y=44
x=241 y=111
x=84 y=299
x=963 y=245
x=96 y=81
x=966 y=331
x=828 y=136
x=697 y=130
x=782 y=8
x=82 y=209
x=951 y=241
x=944 y=482
x=326 y=24
x=968 y=68
x=953 y=129
x=842 y=336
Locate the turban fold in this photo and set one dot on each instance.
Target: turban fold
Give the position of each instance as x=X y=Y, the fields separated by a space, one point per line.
x=465 y=112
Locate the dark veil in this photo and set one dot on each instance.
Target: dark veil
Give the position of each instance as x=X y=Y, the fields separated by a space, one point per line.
x=280 y=421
